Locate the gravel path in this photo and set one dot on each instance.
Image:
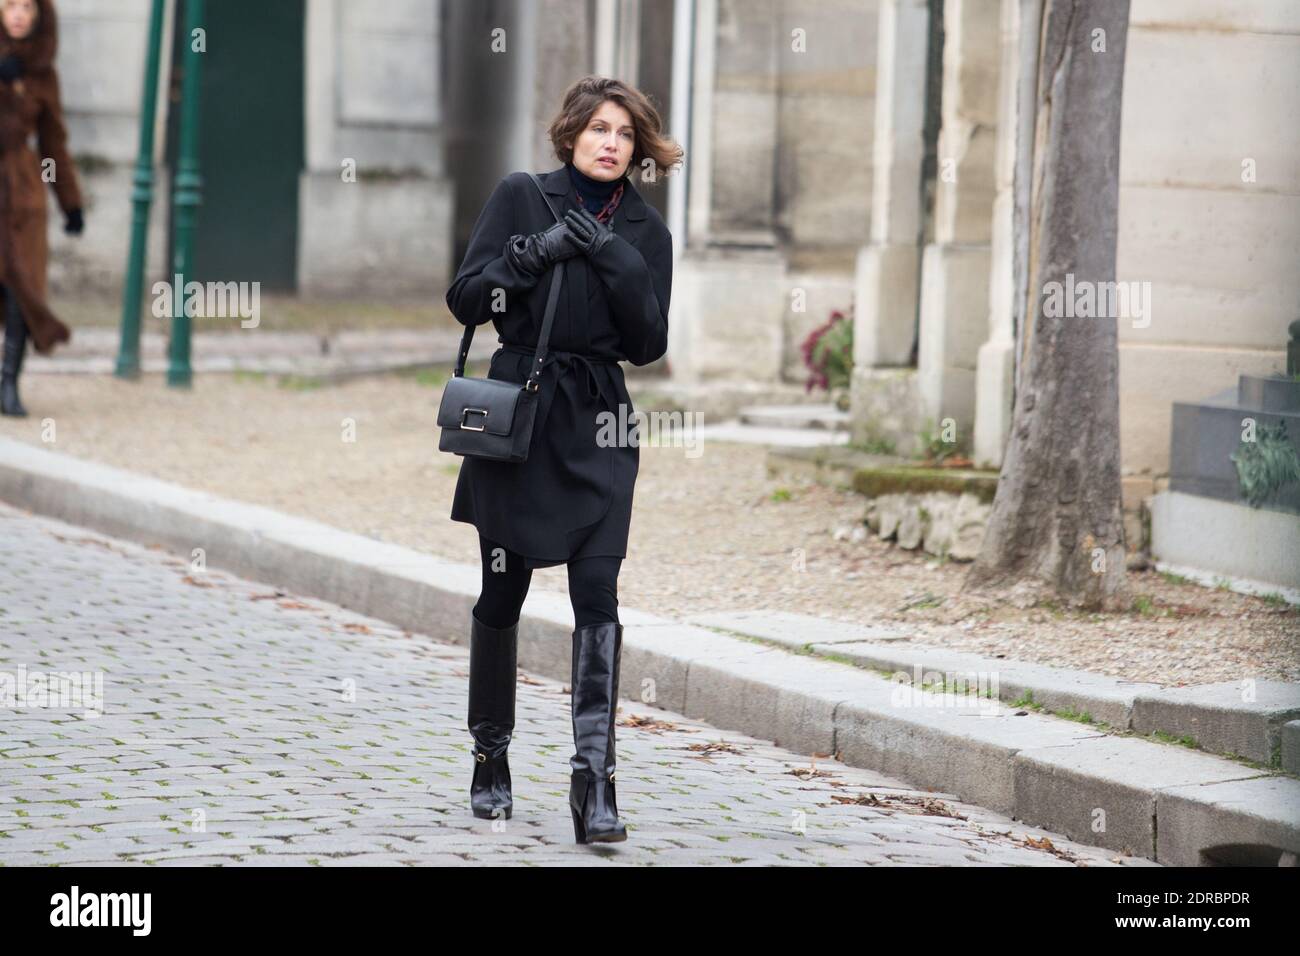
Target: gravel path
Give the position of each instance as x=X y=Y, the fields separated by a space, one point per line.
x=709 y=533
x=236 y=727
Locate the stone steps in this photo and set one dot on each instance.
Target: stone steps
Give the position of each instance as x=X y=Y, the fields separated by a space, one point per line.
x=737 y=431
x=823 y=417
x=781 y=426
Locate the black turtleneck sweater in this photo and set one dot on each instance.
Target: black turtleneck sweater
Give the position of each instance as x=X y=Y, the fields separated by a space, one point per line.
x=594 y=192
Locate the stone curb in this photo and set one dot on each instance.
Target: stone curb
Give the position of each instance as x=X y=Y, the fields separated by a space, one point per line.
x=1096 y=789
x=1233 y=718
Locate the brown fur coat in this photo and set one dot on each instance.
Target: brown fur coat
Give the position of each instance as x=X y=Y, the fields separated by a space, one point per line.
x=31 y=105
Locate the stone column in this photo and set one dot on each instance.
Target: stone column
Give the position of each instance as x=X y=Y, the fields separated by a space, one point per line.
x=955 y=267
x=885 y=292
x=883 y=401
x=374 y=206
x=996 y=363
x=320 y=55
x=728 y=293
x=562 y=38
x=616 y=29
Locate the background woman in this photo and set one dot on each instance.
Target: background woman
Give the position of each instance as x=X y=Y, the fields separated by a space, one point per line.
x=570 y=502
x=30 y=105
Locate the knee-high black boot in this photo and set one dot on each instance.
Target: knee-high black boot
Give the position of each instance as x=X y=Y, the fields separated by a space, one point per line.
x=15 y=345
x=596 y=652
x=492 y=679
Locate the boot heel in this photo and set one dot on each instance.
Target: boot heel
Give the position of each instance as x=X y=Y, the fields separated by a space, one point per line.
x=578 y=793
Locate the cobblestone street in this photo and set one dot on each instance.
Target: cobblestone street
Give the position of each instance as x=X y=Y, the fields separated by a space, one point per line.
x=242 y=726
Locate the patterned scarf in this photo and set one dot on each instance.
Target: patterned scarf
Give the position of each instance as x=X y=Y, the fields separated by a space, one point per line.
x=607 y=211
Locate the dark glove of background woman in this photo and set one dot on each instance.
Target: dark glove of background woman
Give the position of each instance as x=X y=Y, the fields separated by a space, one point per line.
x=10 y=68
x=588 y=232
x=535 y=253
x=73 y=223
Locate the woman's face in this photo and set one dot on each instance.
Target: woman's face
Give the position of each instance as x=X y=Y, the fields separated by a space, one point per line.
x=604 y=149
x=18 y=18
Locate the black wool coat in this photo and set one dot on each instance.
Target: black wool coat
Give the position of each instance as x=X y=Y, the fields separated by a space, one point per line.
x=572 y=497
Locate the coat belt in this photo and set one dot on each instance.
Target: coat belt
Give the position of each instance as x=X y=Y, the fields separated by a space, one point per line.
x=565 y=360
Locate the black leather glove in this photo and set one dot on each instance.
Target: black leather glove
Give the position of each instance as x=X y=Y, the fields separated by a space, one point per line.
x=535 y=253
x=588 y=232
x=10 y=68
x=74 y=222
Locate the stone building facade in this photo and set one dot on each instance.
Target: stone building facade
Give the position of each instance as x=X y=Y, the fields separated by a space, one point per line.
x=838 y=152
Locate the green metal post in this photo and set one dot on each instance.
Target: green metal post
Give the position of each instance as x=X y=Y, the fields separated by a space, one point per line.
x=187 y=197
x=128 y=348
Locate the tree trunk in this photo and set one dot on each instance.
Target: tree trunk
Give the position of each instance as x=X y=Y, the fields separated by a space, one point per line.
x=1056 y=521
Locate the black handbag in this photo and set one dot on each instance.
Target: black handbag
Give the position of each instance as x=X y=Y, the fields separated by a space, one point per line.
x=487 y=417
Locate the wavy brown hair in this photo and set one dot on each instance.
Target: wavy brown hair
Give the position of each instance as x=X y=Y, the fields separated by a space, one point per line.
x=584 y=97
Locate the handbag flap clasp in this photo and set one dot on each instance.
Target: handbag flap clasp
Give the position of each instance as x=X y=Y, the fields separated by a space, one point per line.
x=479 y=404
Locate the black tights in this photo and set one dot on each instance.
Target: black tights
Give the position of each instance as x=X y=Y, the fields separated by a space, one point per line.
x=593 y=587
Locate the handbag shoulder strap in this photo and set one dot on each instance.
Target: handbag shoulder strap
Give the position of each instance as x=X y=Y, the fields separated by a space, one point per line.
x=553 y=297
x=545 y=198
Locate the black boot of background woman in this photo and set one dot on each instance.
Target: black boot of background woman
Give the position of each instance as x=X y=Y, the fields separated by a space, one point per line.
x=15 y=345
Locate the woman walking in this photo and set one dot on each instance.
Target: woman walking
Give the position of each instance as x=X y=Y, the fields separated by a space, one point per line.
x=570 y=502
x=30 y=105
